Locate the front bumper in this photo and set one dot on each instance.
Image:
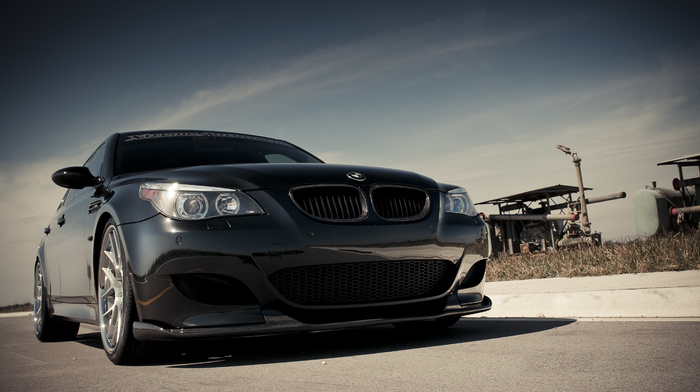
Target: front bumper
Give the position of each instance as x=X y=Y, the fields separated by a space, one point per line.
x=278 y=323
x=212 y=278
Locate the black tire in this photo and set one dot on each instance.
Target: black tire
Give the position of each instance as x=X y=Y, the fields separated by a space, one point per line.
x=115 y=299
x=46 y=327
x=429 y=325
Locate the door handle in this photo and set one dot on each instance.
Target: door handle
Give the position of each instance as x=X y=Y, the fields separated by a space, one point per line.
x=62 y=220
x=47 y=230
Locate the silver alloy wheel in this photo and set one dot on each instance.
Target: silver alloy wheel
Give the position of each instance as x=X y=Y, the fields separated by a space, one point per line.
x=38 y=299
x=111 y=290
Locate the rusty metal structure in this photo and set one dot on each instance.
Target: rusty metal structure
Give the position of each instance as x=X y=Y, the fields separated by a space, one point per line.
x=657 y=210
x=541 y=219
x=687 y=187
x=546 y=218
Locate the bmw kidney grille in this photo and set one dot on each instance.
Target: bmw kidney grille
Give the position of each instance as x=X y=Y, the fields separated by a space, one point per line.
x=345 y=203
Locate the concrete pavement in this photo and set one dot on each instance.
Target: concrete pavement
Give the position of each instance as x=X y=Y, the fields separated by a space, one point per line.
x=651 y=295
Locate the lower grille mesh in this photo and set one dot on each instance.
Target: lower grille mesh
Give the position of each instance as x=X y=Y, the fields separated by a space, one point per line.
x=364 y=282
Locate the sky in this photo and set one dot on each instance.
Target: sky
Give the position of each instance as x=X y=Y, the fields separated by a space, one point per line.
x=471 y=93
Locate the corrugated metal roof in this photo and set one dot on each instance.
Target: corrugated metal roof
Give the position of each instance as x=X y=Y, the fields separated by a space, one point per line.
x=688 y=160
x=536 y=194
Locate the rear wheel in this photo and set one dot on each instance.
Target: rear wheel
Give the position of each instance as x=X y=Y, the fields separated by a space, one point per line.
x=46 y=327
x=116 y=302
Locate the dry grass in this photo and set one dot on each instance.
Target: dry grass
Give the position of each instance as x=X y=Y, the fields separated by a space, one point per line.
x=17 y=308
x=660 y=253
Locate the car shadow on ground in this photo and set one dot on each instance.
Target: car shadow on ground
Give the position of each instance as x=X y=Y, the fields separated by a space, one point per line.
x=243 y=351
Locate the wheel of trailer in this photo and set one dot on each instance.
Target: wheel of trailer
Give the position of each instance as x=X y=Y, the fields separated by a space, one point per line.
x=116 y=307
x=46 y=327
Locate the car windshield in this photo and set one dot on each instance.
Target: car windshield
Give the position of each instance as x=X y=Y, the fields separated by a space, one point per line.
x=167 y=150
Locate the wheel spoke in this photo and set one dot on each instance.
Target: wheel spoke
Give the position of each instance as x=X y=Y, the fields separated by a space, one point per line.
x=111 y=290
x=109 y=283
x=112 y=326
x=38 y=298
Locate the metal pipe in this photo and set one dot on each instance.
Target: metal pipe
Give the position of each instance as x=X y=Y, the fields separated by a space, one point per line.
x=593 y=200
x=680 y=183
x=590 y=200
x=533 y=217
x=509 y=236
x=685 y=210
x=584 y=210
x=612 y=196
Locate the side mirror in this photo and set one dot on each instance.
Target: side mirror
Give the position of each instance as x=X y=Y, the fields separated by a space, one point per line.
x=76 y=177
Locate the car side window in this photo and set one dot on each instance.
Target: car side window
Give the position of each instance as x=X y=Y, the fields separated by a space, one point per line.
x=94 y=163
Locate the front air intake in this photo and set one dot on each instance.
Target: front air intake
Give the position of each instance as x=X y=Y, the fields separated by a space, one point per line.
x=358 y=283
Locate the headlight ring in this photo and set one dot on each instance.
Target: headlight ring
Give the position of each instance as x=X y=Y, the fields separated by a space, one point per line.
x=228 y=204
x=457 y=201
x=191 y=202
x=191 y=206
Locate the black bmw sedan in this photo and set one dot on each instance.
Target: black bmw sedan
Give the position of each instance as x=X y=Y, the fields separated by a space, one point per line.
x=167 y=235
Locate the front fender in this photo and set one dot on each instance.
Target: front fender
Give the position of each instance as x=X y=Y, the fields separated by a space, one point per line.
x=122 y=202
x=41 y=257
x=123 y=205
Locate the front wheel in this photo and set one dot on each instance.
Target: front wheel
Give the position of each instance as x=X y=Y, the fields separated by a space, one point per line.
x=116 y=301
x=46 y=327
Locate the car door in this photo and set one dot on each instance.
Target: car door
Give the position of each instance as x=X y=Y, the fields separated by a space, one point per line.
x=52 y=277
x=72 y=239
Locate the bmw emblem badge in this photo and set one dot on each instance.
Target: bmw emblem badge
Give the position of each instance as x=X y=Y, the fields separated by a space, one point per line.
x=356 y=176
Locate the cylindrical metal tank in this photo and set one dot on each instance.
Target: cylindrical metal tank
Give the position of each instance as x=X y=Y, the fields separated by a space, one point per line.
x=651 y=210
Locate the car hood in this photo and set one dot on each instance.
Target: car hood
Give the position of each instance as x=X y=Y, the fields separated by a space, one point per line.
x=285 y=175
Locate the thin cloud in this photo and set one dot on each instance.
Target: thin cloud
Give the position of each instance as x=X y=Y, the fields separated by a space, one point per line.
x=361 y=62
